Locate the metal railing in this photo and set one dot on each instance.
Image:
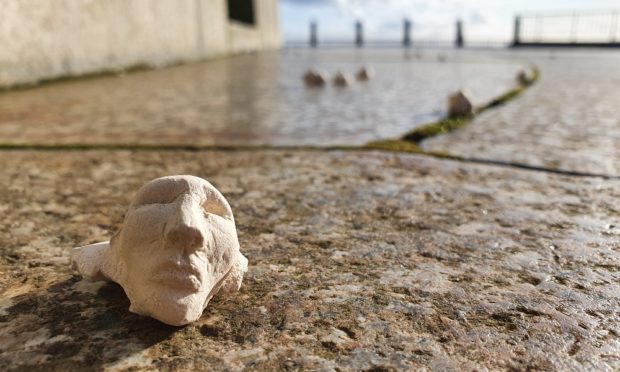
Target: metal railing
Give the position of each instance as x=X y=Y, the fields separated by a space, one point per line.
x=583 y=28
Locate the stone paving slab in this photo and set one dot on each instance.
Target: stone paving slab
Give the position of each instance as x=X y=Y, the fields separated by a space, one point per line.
x=568 y=120
x=358 y=261
x=254 y=99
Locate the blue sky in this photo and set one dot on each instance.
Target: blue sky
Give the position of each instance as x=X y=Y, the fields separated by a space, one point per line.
x=484 y=20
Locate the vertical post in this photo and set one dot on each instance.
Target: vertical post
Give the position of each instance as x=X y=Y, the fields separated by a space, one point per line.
x=459 y=34
x=573 y=27
x=359 y=34
x=614 y=26
x=516 y=40
x=314 y=41
x=538 y=28
x=406 y=33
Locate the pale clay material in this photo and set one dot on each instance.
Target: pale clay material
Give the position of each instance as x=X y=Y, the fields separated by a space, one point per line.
x=342 y=80
x=176 y=249
x=459 y=105
x=365 y=74
x=315 y=78
x=523 y=78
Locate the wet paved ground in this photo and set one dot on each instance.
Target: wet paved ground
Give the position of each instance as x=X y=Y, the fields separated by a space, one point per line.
x=359 y=260
x=569 y=120
x=254 y=100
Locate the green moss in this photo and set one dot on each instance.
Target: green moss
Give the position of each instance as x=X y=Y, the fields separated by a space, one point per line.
x=513 y=93
x=394 y=145
x=433 y=129
x=503 y=98
x=449 y=124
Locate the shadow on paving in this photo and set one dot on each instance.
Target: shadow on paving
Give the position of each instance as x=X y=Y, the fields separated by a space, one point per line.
x=87 y=330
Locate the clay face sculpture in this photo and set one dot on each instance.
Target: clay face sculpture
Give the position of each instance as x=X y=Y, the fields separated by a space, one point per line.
x=459 y=105
x=342 y=80
x=523 y=78
x=176 y=249
x=315 y=78
x=365 y=74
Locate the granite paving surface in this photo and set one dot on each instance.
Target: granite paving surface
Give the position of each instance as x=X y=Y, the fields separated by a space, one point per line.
x=358 y=261
x=568 y=120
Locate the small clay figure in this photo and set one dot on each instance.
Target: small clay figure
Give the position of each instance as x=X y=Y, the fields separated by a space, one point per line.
x=176 y=249
x=342 y=80
x=459 y=105
x=523 y=78
x=365 y=74
x=315 y=78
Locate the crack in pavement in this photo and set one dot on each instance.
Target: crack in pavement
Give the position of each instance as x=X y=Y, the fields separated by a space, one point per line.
x=535 y=168
x=445 y=156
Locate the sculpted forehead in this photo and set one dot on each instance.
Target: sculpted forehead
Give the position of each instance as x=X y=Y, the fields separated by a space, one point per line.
x=167 y=189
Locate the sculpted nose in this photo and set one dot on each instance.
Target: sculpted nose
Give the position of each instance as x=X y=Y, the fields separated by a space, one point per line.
x=185 y=237
x=184 y=233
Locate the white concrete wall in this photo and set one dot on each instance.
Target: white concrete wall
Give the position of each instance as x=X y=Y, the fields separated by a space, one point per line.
x=269 y=23
x=214 y=26
x=264 y=35
x=45 y=39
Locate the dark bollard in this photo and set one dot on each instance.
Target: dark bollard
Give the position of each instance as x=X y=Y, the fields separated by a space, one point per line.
x=459 y=34
x=359 y=34
x=406 y=33
x=313 y=35
x=517 y=31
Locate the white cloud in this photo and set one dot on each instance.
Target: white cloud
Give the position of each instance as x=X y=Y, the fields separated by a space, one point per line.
x=431 y=18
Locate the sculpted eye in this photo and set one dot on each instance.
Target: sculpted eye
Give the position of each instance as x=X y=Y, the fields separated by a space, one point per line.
x=217 y=205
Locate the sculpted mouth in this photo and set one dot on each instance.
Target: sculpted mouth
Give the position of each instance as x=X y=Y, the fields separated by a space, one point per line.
x=178 y=276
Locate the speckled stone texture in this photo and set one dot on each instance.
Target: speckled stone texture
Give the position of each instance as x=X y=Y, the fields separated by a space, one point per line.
x=568 y=120
x=359 y=261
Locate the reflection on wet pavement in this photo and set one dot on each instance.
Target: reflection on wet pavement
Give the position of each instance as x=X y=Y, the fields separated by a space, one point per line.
x=255 y=99
x=568 y=120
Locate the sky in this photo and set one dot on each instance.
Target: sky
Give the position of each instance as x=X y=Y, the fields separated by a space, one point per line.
x=484 y=20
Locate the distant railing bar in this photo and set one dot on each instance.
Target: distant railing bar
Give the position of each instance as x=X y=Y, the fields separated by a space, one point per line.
x=568 y=13
x=573 y=29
